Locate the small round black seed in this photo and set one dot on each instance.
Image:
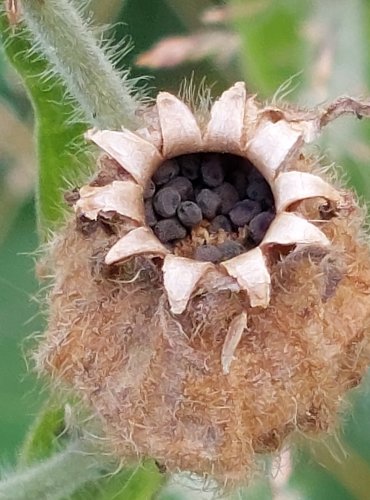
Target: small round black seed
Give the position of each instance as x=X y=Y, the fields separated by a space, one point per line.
x=212 y=171
x=229 y=196
x=220 y=222
x=150 y=216
x=183 y=186
x=149 y=190
x=167 y=171
x=238 y=178
x=209 y=203
x=230 y=249
x=209 y=253
x=190 y=166
x=259 y=225
x=169 y=230
x=258 y=190
x=166 y=201
x=243 y=212
x=189 y=213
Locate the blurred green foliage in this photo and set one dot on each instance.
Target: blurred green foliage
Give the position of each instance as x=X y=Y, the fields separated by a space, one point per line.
x=277 y=40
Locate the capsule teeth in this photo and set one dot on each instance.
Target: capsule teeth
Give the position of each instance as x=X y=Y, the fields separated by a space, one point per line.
x=137 y=156
x=225 y=128
x=140 y=241
x=122 y=197
x=272 y=145
x=251 y=272
x=180 y=131
x=290 y=229
x=179 y=290
x=290 y=187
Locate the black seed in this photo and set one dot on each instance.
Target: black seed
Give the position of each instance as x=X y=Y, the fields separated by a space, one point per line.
x=259 y=225
x=208 y=253
x=169 y=229
x=230 y=249
x=190 y=166
x=149 y=190
x=229 y=196
x=244 y=211
x=189 y=213
x=255 y=175
x=209 y=203
x=212 y=171
x=258 y=190
x=239 y=179
x=220 y=222
x=166 y=201
x=150 y=216
x=183 y=186
x=167 y=171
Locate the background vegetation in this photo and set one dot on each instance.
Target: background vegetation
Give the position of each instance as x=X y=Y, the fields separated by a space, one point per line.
x=323 y=45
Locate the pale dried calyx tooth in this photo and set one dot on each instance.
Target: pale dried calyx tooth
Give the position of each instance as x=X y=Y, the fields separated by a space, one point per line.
x=123 y=197
x=290 y=187
x=290 y=229
x=140 y=241
x=252 y=275
x=181 y=277
x=225 y=128
x=137 y=156
x=271 y=146
x=180 y=131
x=232 y=339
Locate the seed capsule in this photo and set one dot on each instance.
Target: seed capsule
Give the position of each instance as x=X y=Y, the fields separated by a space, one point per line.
x=244 y=211
x=209 y=202
x=259 y=225
x=169 y=230
x=189 y=213
x=230 y=249
x=166 y=201
x=229 y=197
x=208 y=253
x=183 y=186
x=167 y=171
x=212 y=171
x=220 y=222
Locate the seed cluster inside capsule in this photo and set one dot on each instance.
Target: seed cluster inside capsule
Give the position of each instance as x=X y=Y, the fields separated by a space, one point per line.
x=210 y=194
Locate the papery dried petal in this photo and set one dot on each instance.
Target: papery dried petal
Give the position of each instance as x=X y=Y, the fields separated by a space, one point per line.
x=291 y=229
x=225 y=128
x=290 y=187
x=180 y=131
x=181 y=277
x=232 y=339
x=137 y=156
x=140 y=241
x=122 y=197
x=272 y=145
x=252 y=275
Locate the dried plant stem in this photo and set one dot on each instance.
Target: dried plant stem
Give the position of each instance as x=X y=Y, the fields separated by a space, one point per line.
x=58 y=477
x=106 y=96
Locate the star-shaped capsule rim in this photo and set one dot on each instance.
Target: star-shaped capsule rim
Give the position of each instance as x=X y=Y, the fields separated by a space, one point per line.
x=268 y=137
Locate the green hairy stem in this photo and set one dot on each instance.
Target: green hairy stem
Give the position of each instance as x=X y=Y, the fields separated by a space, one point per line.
x=106 y=96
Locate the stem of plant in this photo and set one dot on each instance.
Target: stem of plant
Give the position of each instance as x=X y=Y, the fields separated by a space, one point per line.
x=107 y=97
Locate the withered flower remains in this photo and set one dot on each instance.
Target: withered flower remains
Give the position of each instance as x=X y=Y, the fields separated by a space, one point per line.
x=212 y=291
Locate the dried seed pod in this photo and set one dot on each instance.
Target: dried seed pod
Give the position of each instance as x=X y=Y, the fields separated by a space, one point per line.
x=203 y=365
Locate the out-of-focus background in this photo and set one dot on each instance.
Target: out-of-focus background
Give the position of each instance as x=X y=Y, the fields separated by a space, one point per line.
x=305 y=52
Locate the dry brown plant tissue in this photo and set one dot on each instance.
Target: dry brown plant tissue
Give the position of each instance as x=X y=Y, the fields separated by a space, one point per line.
x=204 y=364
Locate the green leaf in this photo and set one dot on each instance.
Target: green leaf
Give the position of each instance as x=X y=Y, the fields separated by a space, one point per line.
x=59 y=140
x=272 y=48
